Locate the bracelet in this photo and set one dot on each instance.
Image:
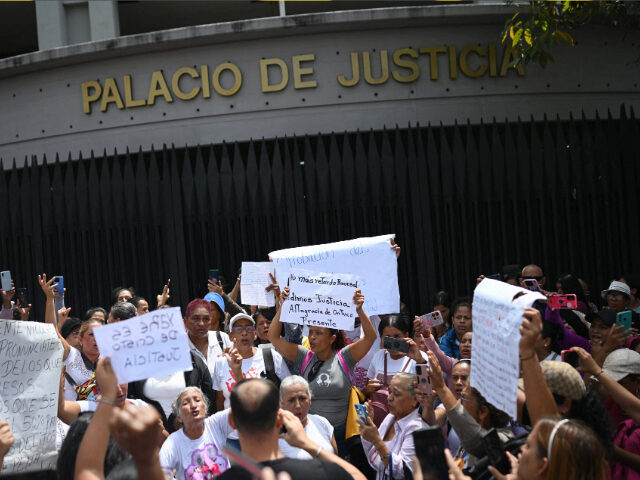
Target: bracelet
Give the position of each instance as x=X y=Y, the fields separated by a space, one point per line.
x=318 y=453
x=108 y=402
x=528 y=358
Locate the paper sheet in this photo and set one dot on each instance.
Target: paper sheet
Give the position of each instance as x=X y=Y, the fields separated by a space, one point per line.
x=30 y=364
x=150 y=345
x=370 y=258
x=255 y=279
x=321 y=299
x=496 y=335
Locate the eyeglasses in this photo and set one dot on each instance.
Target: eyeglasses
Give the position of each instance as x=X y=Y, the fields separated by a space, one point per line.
x=246 y=328
x=615 y=295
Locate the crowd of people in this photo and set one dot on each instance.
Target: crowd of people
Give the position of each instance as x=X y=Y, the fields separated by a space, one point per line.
x=273 y=400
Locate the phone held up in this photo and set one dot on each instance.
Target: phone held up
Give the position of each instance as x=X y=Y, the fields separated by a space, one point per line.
x=569 y=302
x=624 y=319
x=424 y=380
x=429 y=443
x=21 y=297
x=497 y=457
x=361 y=412
x=5 y=280
x=531 y=284
x=571 y=357
x=60 y=287
x=214 y=274
x=433 y=319
x=395 y=344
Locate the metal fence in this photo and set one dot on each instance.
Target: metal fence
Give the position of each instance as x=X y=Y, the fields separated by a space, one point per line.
x=463 y=200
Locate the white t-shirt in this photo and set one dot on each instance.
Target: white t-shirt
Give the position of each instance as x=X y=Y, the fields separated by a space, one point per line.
x=201 y=458
x=213 y=350
x=376 y=367
x=252 y=367
x=319 y=430
x=165 y=389
x=76 y=370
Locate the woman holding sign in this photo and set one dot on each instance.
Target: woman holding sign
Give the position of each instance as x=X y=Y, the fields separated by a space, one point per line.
x=327 y=366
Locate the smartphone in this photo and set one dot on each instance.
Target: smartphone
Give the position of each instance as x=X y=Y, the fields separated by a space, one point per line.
x=563 y=301
x=361 y=412
x=5 y=280
x=214 y=274
x=60 y=287
x=622 y=318
x=495 y=276
x=571 y=357
x=242 y=461
x=432 y=319
x=532 y=284
x=424 y=380
x=429 y=443
x=495 y=452
x=21 y=297
x=395 y=344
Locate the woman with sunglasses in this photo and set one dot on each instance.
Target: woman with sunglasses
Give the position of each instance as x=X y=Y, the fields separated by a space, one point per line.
x=327 y=365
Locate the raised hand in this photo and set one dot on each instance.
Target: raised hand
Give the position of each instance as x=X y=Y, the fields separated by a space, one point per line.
x=106 y=379
x=163 y=298
x=215 y=286
x=395 y=247
x=358 y=299
x=47 y=286
x=530 y=329
x=8 y=295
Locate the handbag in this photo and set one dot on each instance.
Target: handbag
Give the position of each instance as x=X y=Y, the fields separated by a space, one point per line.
x=379 y=398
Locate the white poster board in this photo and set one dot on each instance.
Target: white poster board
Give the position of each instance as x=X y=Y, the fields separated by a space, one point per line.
x=150 y=345
x=254 y=281
x=321 y=300
x=30 y=365
x=495 y=356
x=370 y=258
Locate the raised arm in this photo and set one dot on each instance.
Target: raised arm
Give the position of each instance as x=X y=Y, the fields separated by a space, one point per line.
x=6 y=440
x=48 y=287
x=139 y=431
x=569 y=339
x=287 y=349
x=425 y=341
x=93 y=448
x=68 y=411
x=360 y=347
x=623 y=397
x=540 y=400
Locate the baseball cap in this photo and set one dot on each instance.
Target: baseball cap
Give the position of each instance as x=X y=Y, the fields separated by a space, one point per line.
x=617 y=286
x=240 y=316
x=563 y=379
x=622 y=362
x=607 y=316
x=216 y=298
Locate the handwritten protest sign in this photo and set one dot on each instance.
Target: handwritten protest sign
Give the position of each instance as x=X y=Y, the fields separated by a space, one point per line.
x=371 y=259
x=254 y=281
x=321 y=299
x=496 y=336
x=150 y=345
x=30 y=364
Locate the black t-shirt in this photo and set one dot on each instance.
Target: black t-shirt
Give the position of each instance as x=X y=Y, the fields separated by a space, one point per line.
x=298 y=469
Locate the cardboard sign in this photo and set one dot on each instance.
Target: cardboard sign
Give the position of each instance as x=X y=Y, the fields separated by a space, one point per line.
x=30 y=365
x=370 y=258
x=321 y=300
x=151 y=345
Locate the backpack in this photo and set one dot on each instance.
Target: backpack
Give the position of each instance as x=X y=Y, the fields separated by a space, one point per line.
x=269 y=366
x=379 y=398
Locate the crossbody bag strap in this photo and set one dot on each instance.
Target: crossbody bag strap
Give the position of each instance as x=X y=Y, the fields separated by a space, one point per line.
x=306 y=361
x=384 y=382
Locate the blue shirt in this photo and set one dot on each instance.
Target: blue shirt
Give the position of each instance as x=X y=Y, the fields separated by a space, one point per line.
x=449 y=344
